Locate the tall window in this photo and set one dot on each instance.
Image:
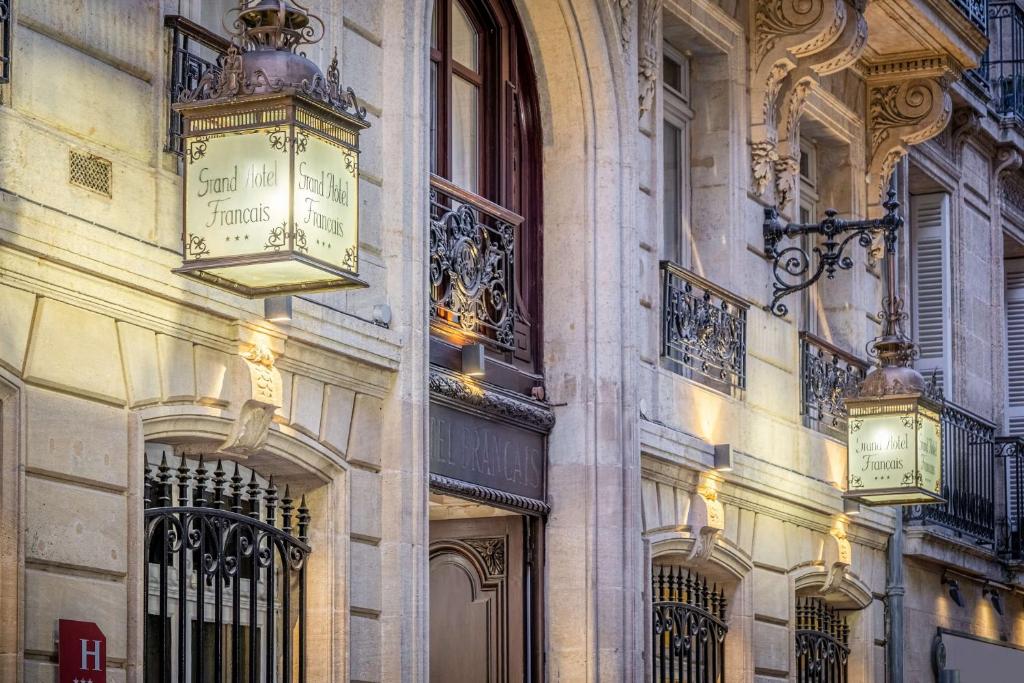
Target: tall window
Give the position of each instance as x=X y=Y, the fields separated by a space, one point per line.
x=1015 y=343
x=677 y=117
x=929 y=217
x=809 y=198
x=484 y=154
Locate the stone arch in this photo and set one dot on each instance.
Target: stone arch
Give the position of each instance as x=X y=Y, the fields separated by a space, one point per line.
x=849 y=592
x=727 y=560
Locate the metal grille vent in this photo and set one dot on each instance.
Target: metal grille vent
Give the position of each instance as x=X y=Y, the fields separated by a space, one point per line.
x=91 y=172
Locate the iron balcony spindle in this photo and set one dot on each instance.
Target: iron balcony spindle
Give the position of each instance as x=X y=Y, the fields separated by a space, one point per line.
x=221 y=536
x=194 y=51
x=688 y=627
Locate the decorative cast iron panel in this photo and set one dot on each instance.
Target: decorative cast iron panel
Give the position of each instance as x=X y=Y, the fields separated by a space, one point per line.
x=975 y=10
x=689 y=628
x=968 y=477
x=194 y=51
x=472 y=263
x=822 y=643
x=225 y=579
x=827 y=376
x=1004 y=62
x=6 y=20
x=704 y=329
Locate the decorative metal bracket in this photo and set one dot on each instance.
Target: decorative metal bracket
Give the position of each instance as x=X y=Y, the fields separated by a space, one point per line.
x=793 y=267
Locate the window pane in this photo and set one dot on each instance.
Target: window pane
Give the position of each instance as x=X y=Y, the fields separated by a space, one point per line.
x=464 y=38
x=673 y=73
x=465 y=135
x=672 y=191
x=433 y=28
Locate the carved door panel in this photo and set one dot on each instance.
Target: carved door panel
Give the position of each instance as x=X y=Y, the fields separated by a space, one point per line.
x=476 y=600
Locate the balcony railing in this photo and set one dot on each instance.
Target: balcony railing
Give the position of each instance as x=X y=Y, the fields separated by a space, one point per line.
x=703 y=331
x=1011 y=525
x=827 y=376
x=1004 y=62
x=975 y=10
x=968 y=478
x=472 y=266
x=194 y=50
x=5 y=40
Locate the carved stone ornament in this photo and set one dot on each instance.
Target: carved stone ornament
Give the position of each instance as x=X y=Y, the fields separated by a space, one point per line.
x=261 y=396
x=908 y=103
x=500 y=404
x=647 y=59
x=837 y=556
x=707 y=520
x=625 y=22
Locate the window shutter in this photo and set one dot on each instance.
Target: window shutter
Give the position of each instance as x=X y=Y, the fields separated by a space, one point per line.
x=1015 y=374
x=930 y=272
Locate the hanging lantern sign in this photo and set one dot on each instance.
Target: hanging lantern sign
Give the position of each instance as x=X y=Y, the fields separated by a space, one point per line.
x=271 y=181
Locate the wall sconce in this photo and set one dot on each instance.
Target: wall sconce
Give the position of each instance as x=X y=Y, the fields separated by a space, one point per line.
x=850 y=507
x=723 y=457
x=949 y=676
x=474 y=360
x=277 y=309
x=954 y=590
x=992 y=594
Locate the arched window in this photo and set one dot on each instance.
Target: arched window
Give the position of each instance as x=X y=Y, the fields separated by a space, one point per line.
x=485 y=186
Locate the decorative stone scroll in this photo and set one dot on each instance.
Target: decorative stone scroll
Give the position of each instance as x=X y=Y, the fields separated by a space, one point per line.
x=261 y=396
x=837 y=556
x=794 y=43
x=707 y=519
x=908 y=103
x=647 y=58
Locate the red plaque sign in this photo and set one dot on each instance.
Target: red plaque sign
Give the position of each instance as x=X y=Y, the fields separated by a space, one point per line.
x=83 y=652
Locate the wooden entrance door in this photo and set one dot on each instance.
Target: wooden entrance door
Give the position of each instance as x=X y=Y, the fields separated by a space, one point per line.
x=476 y=600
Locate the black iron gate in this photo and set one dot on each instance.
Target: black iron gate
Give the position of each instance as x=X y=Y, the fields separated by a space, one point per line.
x=225 y=586
x=822 y=647
x=688 y=627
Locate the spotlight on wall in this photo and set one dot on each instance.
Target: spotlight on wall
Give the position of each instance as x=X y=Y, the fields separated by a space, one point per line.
x=723 y=457
x=992 y=594
x=473 y=360
x=277 y=309
x=949 y=676
x=954 y=590
x=850 y=507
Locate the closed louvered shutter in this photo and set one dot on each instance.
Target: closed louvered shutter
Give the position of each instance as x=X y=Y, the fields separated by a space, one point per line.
x=930 y=276
x=1015 y=376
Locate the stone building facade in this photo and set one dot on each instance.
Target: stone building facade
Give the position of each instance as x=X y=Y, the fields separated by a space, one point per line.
x=661 y=419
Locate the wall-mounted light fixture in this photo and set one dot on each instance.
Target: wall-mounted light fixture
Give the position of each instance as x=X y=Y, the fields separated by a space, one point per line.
x=723 y=457
x=992 y=594
x=954 y=589
x=850 y=507
x=474 y=360
x=277 y=309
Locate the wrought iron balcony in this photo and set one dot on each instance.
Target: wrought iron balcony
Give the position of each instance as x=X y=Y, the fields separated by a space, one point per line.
x=703 y=331
x=974 y=10
x=6 y=19
x=194 y=50
x=1003 y=65
x=827 y=375
x=968 y=478
x=472 y=266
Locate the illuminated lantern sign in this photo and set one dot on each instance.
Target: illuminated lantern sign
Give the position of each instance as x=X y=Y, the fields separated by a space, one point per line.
x=271 y=181
x=894 y=450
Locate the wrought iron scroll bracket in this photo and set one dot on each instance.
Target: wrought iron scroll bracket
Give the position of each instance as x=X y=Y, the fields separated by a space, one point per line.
x=795 y=269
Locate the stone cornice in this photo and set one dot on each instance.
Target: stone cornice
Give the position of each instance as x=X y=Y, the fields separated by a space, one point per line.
x=463 y=489
x=490 y=401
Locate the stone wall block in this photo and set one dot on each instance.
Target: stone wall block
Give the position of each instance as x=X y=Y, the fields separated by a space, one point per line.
x=771 y=593
x=75 y=350
x=772 y=644
x=364 y=649
x=365 y=501
x=50 y=597
x=307 y=404
x=76 y=437
x=337 y=417
x=212 y=375
x=361 y=61
x=16 y=322
x=365 y=435
x=649 y=504
x=177 y=368
x=141 y=368
x=768 y=531
x=71 y=525
x=365 y=576
x=800 y=545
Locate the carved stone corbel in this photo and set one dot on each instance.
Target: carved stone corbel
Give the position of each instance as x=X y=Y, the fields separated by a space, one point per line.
x=648 y=63
x=785 y=32
x=707 y=519
x=1008 y=160
x=965 y=123
x=260 y=396
x=908 y=103
x=837 y=556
